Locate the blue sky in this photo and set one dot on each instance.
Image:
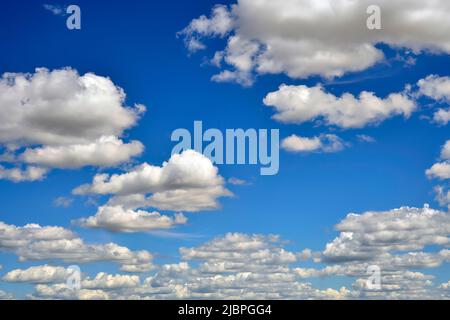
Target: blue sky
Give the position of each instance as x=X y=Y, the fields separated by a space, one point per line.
x=137 y=47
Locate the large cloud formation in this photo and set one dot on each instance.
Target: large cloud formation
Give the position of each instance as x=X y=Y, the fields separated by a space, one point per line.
x=301 y=38
x=64 y=120
x=255 y=266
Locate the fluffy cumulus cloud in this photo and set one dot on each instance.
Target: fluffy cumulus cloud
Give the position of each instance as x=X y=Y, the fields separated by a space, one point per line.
x=60 y=119
x=6 y=295
x=127 y=220
x=437 y=88
x=322 y=143
x=62 y=291
x=393 y=241
x=186 y=182
x=219 y=24
x=441 y=171
x=370 y=235
x=107 y=281
x=35 y=243
x=442 y=196
x=445 y=286
x=299 y=104
x=30 y=173
x=96 y=288
x=37 y=274
x=103 y=286
x=301 y=38
x=442 y=116
x=104 y=152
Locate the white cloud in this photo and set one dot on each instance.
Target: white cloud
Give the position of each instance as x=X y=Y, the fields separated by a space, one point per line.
x=104 y=152
x=65 y=120
x=442 y=116
x=63 y=202
x=38 y=274
x=391 y=240
x=295 y=143
x=235 y=266
x=322 y=143
x=365 y=138
x=445 y=152
x=437 y=88
x=237 y=182
x=107 y=281
x=36 y=243
x=62 y=291
x=76 y=250
x=299 y=104
x=60 y=107
x=219 y=25
x=126 y=220
x=30 y=173
x=13 y=237
x=445 y=286
x=254 y=266
x=55 y=9
x=372 y=234
x=442 y=196
x=6 y=295
x=301 y=38
x=137 y=268
x=439 y=170
x=240 y=249
x=187 y=182
x=405 y=285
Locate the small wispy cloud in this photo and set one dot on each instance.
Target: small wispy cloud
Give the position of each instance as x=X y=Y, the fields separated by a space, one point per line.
x=176 y=235
x=237 y=182
x=57 y=10
x=62 y=202
x=365 y=138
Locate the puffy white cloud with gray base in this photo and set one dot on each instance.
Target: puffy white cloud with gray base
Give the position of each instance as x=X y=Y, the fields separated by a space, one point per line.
x=35 y=243
x=119 y=219
x=61 y=119
x=438 y=89
x=299 y=104
x=186 y=182
x=301 y=38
